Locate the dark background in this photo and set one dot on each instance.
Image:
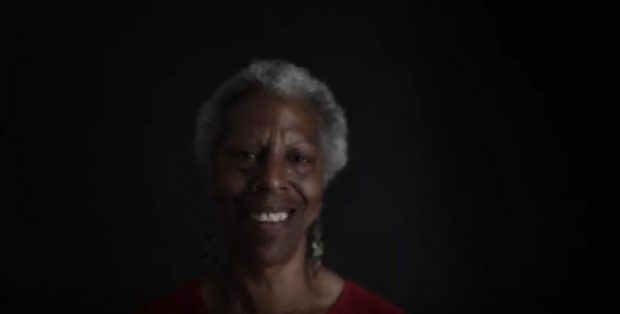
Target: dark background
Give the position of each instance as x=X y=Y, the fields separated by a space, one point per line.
x=477 y=141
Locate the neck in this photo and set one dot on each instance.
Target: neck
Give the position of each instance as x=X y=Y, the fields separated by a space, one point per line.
x=273 y=289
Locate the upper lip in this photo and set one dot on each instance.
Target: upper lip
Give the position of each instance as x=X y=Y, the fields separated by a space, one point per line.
x=266 y=205
x=270 y=209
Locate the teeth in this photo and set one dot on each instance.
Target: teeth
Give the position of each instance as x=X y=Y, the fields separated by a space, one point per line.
x=270 y=217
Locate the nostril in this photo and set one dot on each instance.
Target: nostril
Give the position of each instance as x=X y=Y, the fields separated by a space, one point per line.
x=271 y=184
x=272 y=175
x=269 y=187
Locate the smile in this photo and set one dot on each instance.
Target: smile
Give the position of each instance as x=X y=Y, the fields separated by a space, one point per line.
x=271 y=217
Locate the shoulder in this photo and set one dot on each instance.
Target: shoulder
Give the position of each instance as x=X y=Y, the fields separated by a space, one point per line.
x=188 y=299
x=357 y=299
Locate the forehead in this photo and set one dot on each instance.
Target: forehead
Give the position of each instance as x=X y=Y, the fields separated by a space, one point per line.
x=261 y=111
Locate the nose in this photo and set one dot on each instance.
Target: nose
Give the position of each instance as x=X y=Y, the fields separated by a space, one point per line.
x=271 y=176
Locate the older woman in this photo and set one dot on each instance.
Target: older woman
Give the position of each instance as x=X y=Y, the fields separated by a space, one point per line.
x=269 y=140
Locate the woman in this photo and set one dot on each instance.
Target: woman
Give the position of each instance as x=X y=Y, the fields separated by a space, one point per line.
x=270 y=140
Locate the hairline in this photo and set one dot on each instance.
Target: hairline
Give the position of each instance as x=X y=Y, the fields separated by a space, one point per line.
x=298 y=84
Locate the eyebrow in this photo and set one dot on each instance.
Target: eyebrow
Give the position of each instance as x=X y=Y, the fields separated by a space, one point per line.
x=242 y=135
x=301 y=142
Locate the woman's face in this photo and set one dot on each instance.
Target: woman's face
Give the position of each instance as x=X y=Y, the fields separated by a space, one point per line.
x=269 y=176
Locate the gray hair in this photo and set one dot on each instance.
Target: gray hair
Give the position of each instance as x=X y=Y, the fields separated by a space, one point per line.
x=282 y=79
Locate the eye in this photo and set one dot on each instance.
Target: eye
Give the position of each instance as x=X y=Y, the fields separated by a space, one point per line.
x=299 y=158
x=247 y=156
x=243 y=158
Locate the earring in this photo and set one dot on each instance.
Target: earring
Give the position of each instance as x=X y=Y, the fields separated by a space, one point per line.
x=318 y=246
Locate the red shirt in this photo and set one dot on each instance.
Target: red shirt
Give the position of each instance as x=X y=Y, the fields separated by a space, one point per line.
x=353 y=299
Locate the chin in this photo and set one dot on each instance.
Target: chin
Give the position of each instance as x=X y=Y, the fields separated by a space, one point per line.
x=269 y=254
x=270 y=260
x=274 y=256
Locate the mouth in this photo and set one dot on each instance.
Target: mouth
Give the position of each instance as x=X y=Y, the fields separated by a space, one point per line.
x=271 y=216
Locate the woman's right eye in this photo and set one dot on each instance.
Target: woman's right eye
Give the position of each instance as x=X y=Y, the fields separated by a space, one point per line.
x=243 y=159
x=247 y=155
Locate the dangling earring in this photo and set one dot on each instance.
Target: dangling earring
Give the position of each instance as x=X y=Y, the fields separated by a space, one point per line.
x=318 y=246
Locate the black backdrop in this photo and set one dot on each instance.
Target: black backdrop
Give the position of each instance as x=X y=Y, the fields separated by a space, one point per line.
x=470 y=148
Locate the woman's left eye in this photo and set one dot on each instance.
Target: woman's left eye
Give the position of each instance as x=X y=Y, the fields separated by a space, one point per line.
x=299 y=158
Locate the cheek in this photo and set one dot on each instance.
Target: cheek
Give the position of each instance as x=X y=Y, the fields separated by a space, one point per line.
x=228 y=184
x=313 y=192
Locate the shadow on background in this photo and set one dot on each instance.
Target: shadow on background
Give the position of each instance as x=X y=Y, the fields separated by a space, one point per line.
x=471 y=161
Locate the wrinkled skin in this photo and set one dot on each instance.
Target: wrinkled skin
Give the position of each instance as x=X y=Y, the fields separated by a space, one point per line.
x=270 y=159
